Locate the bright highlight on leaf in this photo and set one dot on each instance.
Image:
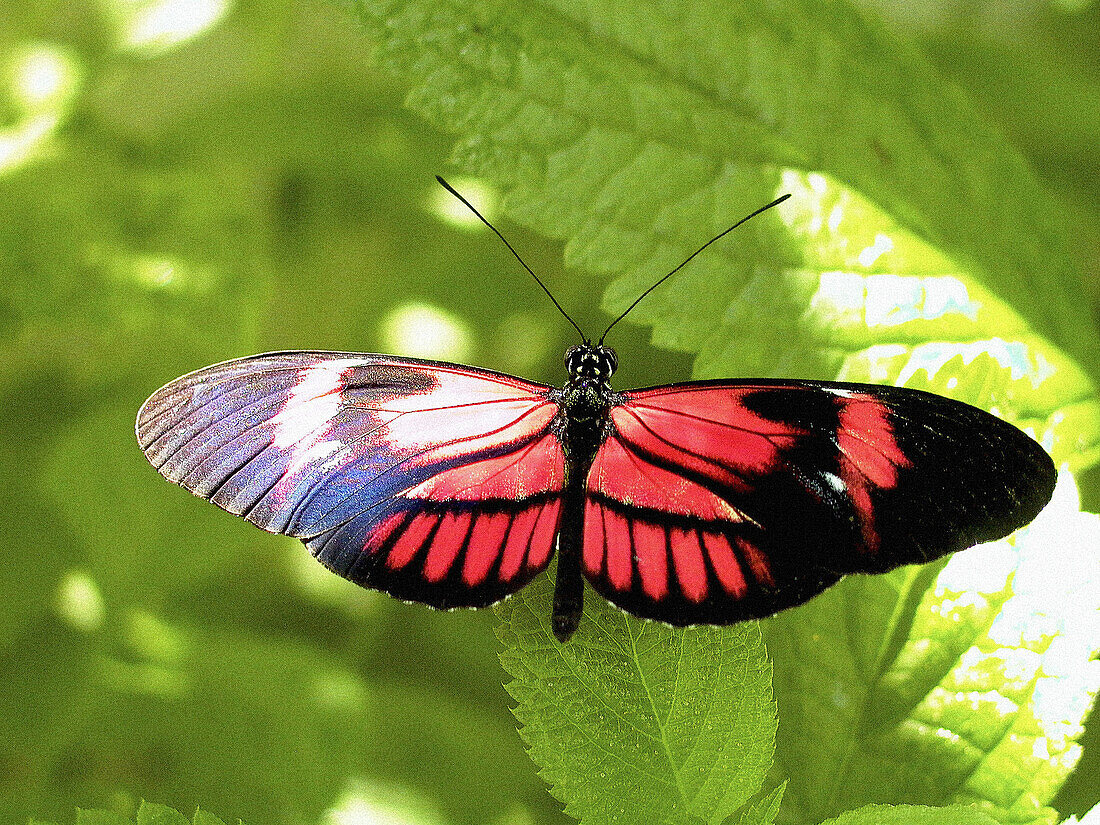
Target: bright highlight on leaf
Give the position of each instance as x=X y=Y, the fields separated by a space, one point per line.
x=40 y=79
x=985 y=700
x=446 y=207
x=418 y=330
x=79 y=601
x=155 y=26
x=872 y=253
x=912 y=317
x=17 y=146
x=889 y=300
x=372 y=803
x=154 y=274
x=912 y=815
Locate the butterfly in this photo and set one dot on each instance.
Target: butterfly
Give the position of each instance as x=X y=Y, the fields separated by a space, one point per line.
x=705 y=502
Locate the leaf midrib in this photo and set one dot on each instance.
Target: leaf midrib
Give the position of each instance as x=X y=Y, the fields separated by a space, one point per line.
x=678 y=782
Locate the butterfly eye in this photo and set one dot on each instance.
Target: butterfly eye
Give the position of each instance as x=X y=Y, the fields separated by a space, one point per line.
x=609 y=361
x=573 y=358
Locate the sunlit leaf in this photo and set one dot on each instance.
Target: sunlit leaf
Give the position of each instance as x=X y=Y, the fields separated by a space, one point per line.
x=911 y=815
x=765 y=810
x=900 y=259
x=878 y=304
x=977 y=694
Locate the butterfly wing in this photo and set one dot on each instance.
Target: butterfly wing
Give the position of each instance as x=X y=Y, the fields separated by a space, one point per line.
x=714 y=502
x=432 y=482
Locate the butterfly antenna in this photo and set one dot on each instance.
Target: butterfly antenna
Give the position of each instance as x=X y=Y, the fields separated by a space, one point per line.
x=538 y=280
x=720 y=235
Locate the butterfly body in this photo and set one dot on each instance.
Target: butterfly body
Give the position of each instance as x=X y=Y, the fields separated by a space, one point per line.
x=703 y=502
x=582 y=425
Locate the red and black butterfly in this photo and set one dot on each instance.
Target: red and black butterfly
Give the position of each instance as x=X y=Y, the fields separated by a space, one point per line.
x=706 y=502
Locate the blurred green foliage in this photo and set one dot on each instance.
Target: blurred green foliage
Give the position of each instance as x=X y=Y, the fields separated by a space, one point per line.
x=147 y=814
x=185 y=182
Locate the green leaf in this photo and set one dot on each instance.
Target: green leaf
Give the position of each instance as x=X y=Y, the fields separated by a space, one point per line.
x=148 y=814
x=92 y=817
x=153 y=814
x=901 y=258
x=634 y=721
x=615 y=129
x=911 y=815
x=974 y=692
x=765 y=810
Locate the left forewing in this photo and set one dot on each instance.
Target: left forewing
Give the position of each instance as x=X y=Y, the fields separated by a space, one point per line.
x=435 y=482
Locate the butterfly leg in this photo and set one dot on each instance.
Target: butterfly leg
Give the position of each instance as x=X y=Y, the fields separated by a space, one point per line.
x=569 y=584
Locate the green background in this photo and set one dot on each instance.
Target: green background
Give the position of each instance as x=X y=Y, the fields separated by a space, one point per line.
x=261 y=184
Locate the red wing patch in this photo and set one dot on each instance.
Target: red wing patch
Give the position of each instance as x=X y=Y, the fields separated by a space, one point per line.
x=686 y=430
x=869 y=457
x=449 y=554
x=682 y=573
x=625 y=476
x=655 y=536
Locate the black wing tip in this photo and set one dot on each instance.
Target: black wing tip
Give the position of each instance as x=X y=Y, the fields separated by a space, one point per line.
x=1026 y=470
x=1041 y=480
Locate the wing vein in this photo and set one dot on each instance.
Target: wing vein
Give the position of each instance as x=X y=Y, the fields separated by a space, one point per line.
x=404 y=460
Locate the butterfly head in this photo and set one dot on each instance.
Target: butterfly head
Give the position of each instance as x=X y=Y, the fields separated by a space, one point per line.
x=593 y=361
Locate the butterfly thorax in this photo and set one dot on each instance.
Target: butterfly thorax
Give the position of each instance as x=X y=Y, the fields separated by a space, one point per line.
x=582 y=423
